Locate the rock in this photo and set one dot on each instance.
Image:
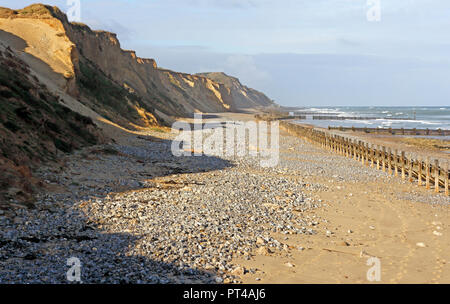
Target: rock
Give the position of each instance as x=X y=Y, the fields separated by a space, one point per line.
x=260 y=241
x=421 y=245
x=344 y=243
x=290 y=265
x=264 y=251
x=239 y=271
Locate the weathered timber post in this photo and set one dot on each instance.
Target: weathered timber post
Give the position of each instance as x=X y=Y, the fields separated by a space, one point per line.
x=436 y=176
x=378 y=153
x=359 y=150
x=384 y=159
x=427 y=177
x=396 y=162
x=346 y=147
x=419 y=172
x=411 y=167
x=363 y=154
x=402 y=160
x=389 y=161
x=372 y=155
x=446 y=179
x=336 y=146
x=367 y=154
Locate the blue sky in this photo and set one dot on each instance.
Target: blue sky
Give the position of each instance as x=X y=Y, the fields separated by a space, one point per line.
x=315 y=52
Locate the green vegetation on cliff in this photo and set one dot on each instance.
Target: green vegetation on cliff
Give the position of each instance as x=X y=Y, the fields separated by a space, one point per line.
x=111 y=100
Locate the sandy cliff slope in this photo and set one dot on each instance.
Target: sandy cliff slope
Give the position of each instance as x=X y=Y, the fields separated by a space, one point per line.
x=242 y=96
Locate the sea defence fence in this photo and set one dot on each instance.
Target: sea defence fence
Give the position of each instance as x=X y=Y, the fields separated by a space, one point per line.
x=324 y=117
x=396 y=131
x=424 y=172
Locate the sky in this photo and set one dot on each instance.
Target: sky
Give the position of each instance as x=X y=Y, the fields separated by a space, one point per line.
x=298 y=52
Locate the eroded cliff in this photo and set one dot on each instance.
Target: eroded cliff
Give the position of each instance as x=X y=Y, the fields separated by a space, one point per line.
x=68 y=53
x=241 y=96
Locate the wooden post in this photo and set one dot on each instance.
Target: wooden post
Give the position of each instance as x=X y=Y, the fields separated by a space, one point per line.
x=389 y=161
x=402 y=163
x=427 y=177
x=419 y=172
x=363 y=153
x=378 y=153
x=396 y=162
x=346 y=147
x=354 y=149
x=384 y=159
x=372 y=153
x=446 y=179
x=367 y=154
x=436 y=176
x=358 y=149
x=411 y=167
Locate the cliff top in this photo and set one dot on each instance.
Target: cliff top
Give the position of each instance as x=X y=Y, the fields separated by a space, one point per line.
x=32 y=11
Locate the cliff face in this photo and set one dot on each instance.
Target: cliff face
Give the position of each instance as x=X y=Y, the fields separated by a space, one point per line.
x=69 y=52
x=241 y=96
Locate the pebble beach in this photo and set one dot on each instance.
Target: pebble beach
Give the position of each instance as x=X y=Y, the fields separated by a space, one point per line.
x=131 y=212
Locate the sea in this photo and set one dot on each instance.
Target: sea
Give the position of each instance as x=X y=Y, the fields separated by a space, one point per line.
x=387 y=117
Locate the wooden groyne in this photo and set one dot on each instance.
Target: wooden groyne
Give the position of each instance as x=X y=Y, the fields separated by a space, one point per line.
x=396 y=131
x=424 y=172
x=324 y=117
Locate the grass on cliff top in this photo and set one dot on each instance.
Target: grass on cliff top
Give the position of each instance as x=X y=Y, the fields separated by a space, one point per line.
x=38 y=10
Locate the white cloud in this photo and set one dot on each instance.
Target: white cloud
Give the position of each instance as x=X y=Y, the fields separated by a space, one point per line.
x=245 y=67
